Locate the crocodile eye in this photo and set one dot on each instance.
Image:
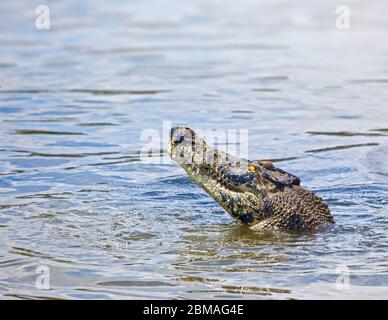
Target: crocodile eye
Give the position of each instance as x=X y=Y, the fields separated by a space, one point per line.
x=251 y=168
x=267 y=164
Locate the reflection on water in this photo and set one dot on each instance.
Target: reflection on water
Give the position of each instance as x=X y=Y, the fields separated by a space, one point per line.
x=76 y=195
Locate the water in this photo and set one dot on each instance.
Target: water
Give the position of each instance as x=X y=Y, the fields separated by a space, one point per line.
x=74 y=101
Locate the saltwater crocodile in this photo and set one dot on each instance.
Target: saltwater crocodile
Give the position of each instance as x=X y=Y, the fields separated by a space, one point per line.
x=254 y=193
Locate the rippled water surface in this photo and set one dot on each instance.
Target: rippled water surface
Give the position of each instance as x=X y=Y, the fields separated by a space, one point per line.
x=77 y=100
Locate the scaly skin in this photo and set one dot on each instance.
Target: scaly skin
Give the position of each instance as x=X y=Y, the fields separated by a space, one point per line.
x=255 y=193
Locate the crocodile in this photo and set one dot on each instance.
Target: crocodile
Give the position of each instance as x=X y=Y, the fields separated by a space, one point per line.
x=255 y=193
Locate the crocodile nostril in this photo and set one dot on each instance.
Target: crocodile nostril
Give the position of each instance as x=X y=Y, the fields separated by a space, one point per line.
x=178 y=140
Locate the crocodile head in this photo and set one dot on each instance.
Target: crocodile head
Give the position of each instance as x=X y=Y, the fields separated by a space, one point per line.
x=252 y=192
